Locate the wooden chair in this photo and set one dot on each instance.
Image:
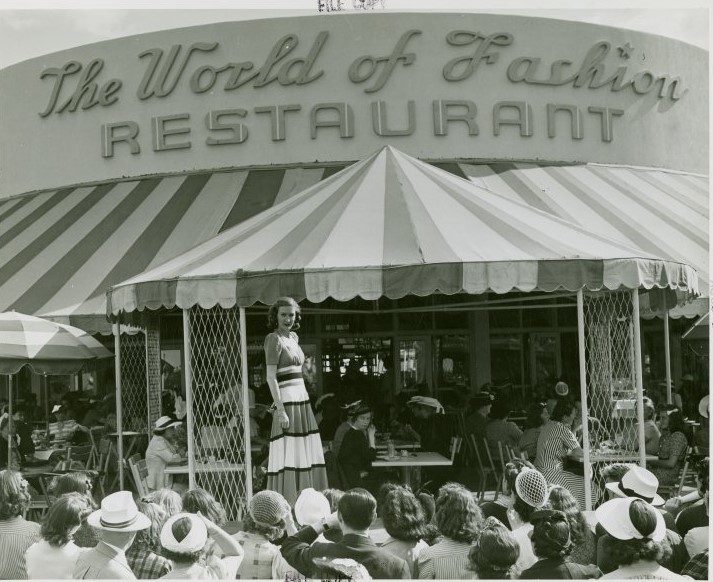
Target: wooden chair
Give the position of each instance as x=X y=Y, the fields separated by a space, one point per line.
x=498 y=474
x=104 y=459
x=456 y=443
x=140 y=473
x=79 y=454
x=688 y=475
x=39 y=505
x=95 y=436
x=484 y=471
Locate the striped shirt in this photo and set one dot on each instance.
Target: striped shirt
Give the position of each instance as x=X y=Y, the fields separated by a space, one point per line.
x=16 y=536
x=446 y=560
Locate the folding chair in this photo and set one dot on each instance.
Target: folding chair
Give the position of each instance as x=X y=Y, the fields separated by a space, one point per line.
x=498 y=475
x=456 y=443
x=688 y=476
x=483 y=471
x=140 y=474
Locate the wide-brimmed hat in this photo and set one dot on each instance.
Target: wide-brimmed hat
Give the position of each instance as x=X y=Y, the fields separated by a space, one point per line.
x=482 y=398
x=311 y=506
x=268 y=508
x=614 y=516
x=427 y=401
x=531 y=487
x=638 y=482
x=194 y=540
x=118 y=513
x=164 y=423
x=704 y=405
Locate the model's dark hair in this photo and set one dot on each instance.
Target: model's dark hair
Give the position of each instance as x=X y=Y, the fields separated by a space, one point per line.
x=150 y=538
x=271 y=532
x=333 y=496
x=64 y=515
x=625 y=552
x=675 y=420
x=199 y=499
x=384 y=490
x=494 y=552
x=14 y=494
x=513 y=468
x=275 y=307
x=534 y=414
x=614 y=472
x=180 y=529
x=75 y=482
x=551 y=534
x=357 y=508
x=457 y=513
x=404 y=516
x=523 y=509
x=562 y=500
x=564 y=407
x=500 y=409
x=356 y=409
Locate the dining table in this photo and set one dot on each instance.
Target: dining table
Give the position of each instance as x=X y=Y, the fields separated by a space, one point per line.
x=405 y=462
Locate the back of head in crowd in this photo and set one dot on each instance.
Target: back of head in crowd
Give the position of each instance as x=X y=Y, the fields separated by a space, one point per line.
x=266 y=515
x=531 y=491
x=275 y=307
x=168 y=499
x=675 y=419
x=333 y=496
x=458 y=516
x=75 y=482
x=14 y=494
x=537 y=415
x=197 y=500
x=357 y=509
x=64 y=518
x=183 y=538
x=494 y=552
x=500 y=409
x=561 y=499
x=150 y=538
x=703 y=475
x=551 y=536
x=614 y=472
x=383 y=492
x=512 y=470
x=404 y=516
x=563 y=408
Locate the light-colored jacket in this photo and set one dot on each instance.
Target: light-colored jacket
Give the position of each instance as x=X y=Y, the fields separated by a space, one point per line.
x=159 y=453
x=103 y=562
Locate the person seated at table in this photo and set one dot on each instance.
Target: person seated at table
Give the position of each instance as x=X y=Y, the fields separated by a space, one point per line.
x=429 y=421
x=94 y=416
x=66 y=430
x=343 y=427
x=501 y=430
x=160 y=453
x=555 y=443
x=357 y=450
x=477 y=420
x=16 y=533
x=458 y=519
x=408 y=530
x=672 y=447
x=25 y=445
x=494 y=552
x=498 y=508
x=584 y=542
x=80 y=483
x=701 y=438
x=559 y=391
x=639 y=532
x=55 y=555
x=328 y=410
x=552 y=543
x=537 y=416
x=8 y=443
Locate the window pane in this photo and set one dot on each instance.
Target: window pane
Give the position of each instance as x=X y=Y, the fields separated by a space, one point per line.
x=506 y=359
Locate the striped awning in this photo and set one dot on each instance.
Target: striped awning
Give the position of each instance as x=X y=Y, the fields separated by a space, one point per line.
x=391 y=226
x=61 y=250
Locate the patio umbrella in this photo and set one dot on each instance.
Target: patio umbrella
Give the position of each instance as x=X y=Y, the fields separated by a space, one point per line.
x=45 y=347
x=93 y=345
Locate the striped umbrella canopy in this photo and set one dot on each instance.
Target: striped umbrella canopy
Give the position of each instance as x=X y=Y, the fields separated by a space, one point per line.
x=93 y=345
x=392 y=225
x=46 y=347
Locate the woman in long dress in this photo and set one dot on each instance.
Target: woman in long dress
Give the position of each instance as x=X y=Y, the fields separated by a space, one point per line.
x=296 y=459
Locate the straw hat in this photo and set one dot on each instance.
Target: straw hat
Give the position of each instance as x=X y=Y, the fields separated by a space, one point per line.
x=615 y=518
x=427 y=401
x=311 y=506
x=164 y=423
x=119 y=513
x=192 y=542
x=703 y=406
x=638 y=482
x=531 y=487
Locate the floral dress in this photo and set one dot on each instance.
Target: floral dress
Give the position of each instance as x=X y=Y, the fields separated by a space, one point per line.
x=670 y=444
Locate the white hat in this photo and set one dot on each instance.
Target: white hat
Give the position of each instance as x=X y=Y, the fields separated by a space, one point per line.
x=614 y=515
x=638 y=482
x=561 y=389
x=427 y=401
x=703 y=406
x=311 y=506
x=165 y=422
x=119 y=513
x=194 y=541
x=56 y=408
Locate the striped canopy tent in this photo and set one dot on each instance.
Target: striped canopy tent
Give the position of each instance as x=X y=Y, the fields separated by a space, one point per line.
x=390 y=226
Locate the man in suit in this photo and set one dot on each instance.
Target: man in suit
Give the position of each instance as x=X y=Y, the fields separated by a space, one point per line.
x=356 y=512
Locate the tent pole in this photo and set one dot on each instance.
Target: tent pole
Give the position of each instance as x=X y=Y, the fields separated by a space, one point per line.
x=189 y=400
x=583 y=397
x=667 y=350
x=119 y=416
x=45 y=383
x=246 y=406
x=9 y=421
x=639 y=377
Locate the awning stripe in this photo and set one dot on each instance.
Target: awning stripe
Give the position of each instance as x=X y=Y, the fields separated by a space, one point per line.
x=36 y=214
x=398 y=235
x=512 y=179
x=258 y=194
x=138 y=256
x=9 y=207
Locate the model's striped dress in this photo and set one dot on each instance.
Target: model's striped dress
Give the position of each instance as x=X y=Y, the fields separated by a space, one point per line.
x=553 y=444
x=296 y=458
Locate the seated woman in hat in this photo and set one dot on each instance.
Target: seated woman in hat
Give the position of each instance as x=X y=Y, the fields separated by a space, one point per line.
x=640 y=532
x=672 y=447
x=160 y=453
x=183 y=541
x=358 y=448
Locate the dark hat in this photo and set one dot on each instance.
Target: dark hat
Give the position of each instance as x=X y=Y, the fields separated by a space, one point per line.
x=482 y=398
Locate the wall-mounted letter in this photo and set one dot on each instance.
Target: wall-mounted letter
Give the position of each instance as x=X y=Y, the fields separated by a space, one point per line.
x=113 y=133
x=523 y=119
x=160 y=132
x=358 y=75
x=442 y=115
x=380 y=124
x=344 y=120
x=213 y=121
x=575 y=120
x=277 y=119
x=607 y=116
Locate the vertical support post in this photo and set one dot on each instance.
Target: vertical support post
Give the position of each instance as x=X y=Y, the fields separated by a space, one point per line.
x=45 y=382
x=9 y=421
x=583 y=396
x=119 y=413
x=639 y=377
x=189 y=400
x=147 y=323
x=246 y=406
x=667 y=350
